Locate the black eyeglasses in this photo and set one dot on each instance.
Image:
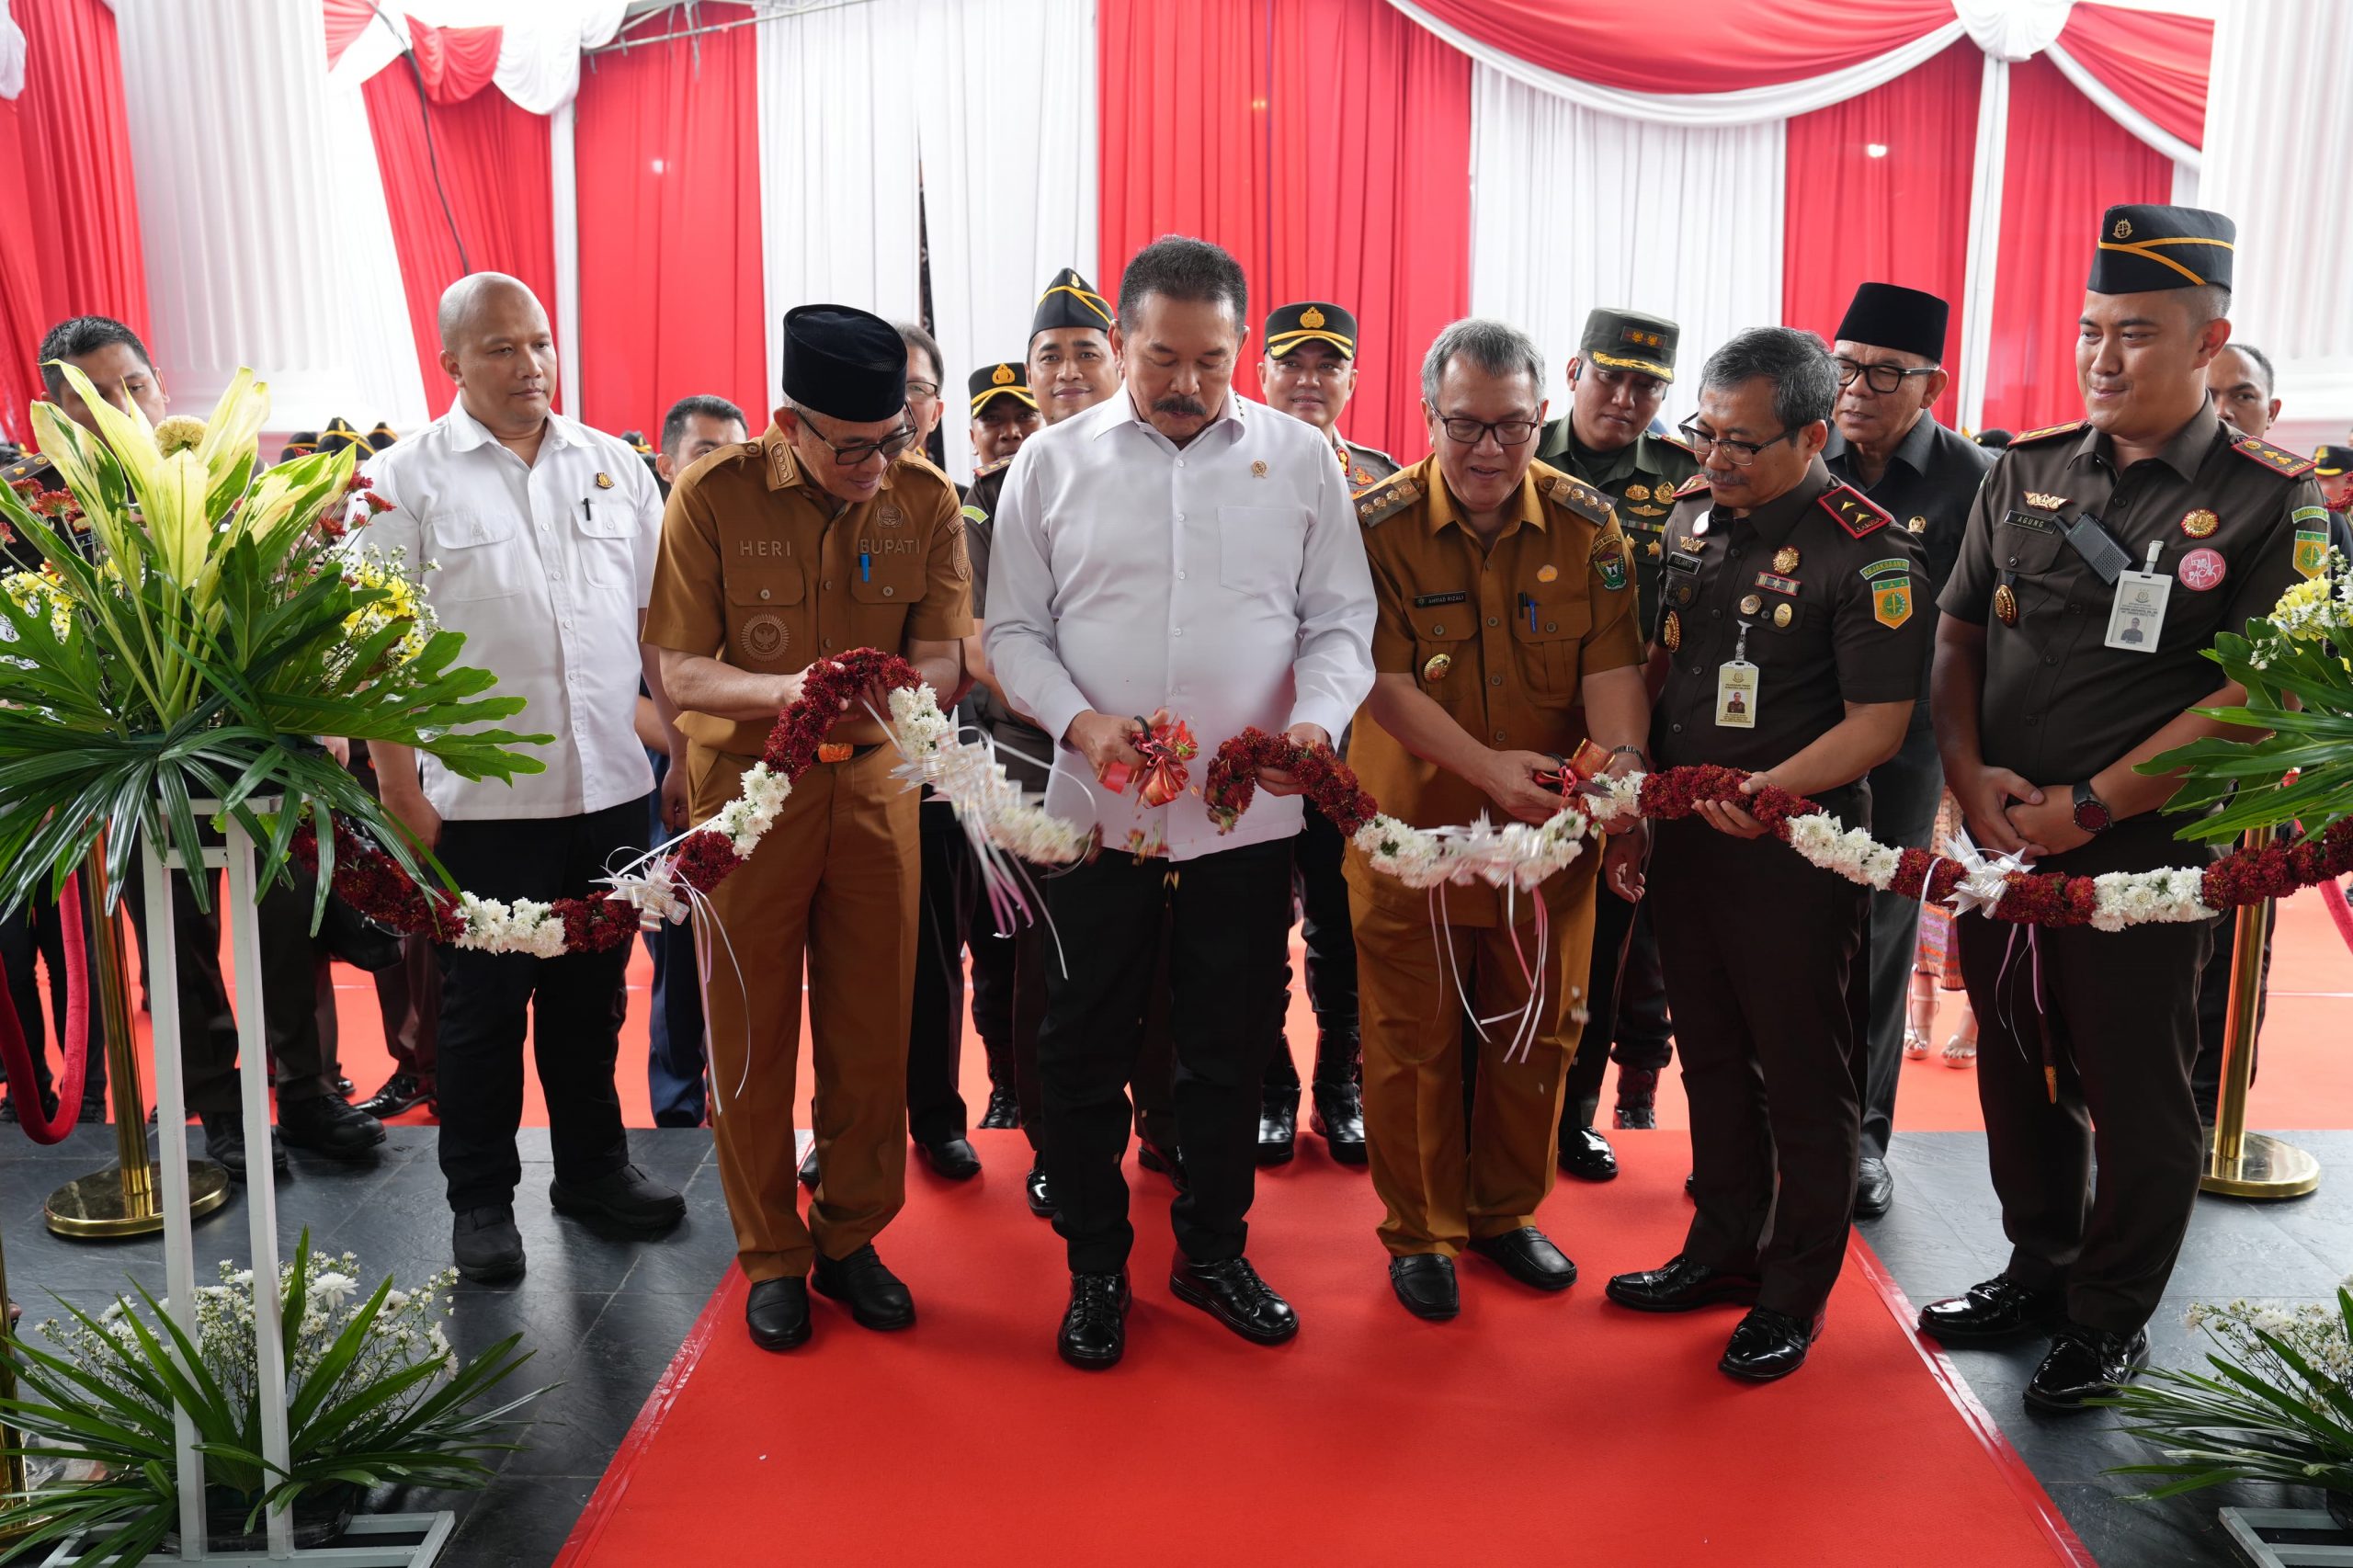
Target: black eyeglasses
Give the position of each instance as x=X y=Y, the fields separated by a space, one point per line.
x=1740 y=454
x=1471 y=432
x=857 y=452
x=1880 y=378
x=922 y=391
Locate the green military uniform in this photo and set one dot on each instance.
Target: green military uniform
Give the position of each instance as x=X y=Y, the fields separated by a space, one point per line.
x=1639 y=478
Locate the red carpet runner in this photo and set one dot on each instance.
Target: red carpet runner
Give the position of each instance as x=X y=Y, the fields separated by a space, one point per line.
x=1529 y=1430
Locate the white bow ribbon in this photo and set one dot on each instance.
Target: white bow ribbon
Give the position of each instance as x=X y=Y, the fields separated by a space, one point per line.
x=1982 y=880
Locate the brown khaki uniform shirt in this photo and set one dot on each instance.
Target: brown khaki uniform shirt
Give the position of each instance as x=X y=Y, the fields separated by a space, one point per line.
x=760 y=570
x=1457 y=618
x=2058 y=703
x=1831 y=595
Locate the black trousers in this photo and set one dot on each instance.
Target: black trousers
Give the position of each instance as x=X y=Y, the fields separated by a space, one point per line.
x=1152 y=1088
x=1625 y=1006
x=34 y=940
x=1756 y=945
x=2214 y=1014
x=571 y=1005
x=994 y=977
x=1905 y=792
x=1223 y=921
x=1320 y=893
x=936 y=1027
x=289 y=991
x=408 y=994
x=2120 y=1007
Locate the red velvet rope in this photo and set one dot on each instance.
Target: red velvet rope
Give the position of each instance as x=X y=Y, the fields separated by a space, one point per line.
x=24 y=1091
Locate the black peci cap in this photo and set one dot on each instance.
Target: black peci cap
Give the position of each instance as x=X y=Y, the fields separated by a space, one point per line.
x=1888 y=315
x=2145 y=249
x=844 y=362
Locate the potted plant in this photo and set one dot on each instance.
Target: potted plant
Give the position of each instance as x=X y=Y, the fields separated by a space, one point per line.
x=2273 y=1407
x=374 y=1394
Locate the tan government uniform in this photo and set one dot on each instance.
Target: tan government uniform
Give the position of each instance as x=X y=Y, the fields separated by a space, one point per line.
x=1501 y=638
x=762 y=569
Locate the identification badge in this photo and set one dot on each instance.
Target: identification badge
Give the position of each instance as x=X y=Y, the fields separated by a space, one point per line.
x=1736 y=695
x=2136 y=620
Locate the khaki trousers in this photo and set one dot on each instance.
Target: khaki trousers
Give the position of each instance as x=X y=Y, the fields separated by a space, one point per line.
x=836 y=878
x=1440 y=1194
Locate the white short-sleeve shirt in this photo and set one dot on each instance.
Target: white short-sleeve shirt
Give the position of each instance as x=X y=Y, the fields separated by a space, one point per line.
x=545 y=569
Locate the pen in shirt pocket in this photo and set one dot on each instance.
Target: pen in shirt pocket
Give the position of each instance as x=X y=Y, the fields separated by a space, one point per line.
x=865 y=567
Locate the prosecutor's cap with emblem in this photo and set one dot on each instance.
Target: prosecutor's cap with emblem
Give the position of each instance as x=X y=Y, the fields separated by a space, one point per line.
x=844 y=362
x=1888 y=315
x=992 y=381
x=2330 y=461
x=1311 y=320
x=1629 y=340
x=1070 y=300
x=2145 y=249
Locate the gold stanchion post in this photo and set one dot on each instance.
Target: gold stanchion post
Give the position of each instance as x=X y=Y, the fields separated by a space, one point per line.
x=2240 y=1163
x=122 y=1199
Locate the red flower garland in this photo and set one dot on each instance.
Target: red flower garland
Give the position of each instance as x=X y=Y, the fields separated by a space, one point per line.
x=1323 y=779
x=373 y=882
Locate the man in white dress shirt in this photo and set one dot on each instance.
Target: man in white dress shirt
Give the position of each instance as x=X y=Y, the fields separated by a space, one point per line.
x=1176 y=550
x=542 y=536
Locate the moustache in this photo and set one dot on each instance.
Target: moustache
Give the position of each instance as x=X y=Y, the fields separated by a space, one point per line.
x=1179 y=405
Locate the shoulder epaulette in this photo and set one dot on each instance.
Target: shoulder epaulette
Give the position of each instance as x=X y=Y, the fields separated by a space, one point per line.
x=32 y=466
x=2286 y=464
x=914 y=458
x=1693 y=486
x=986 y=469
x=1572 y=494
x=2073 y=428
x=1856 y=512
x=1376 y=504
x=1677 y=442
x=1372 y=452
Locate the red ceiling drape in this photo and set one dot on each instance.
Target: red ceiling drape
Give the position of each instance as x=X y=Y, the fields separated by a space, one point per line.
x=1693 y=46
x=671 y=292
x=1327 y=143
x=72 y=246
x=1901 y=217
x=2067 y=163
x=494 y=165
x=2153 y=61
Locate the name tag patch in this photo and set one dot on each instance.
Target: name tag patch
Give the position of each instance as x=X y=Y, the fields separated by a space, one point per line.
x=1423 y=601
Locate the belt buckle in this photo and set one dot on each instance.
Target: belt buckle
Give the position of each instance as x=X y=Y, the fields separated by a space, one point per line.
x=834 y=750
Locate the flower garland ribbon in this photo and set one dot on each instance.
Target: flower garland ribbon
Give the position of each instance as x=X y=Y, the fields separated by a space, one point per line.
x=664 y=883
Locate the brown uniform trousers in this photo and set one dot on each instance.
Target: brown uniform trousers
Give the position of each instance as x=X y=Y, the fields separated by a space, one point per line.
x=834 y=879
x=1500 y=638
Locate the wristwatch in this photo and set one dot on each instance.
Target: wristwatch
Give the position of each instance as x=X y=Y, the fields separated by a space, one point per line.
x=2091 y=812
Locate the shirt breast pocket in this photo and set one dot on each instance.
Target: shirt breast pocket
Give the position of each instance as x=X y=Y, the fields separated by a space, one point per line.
x=1258 y=550
x=763 y=615
x=1441 y=651
x=608 y=544
x=2029 y=552
x=474 y=558
x=1550 y=654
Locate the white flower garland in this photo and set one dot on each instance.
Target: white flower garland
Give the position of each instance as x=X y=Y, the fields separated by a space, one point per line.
x=1515 y=854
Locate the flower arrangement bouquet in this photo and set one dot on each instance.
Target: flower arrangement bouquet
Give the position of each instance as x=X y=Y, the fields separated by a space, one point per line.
x=194 y=624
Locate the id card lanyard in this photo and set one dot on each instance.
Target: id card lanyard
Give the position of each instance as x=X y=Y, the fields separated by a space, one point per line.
x=2136 y=617
x=1737 y=687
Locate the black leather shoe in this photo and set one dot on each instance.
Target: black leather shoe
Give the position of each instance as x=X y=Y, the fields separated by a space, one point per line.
x=344 y=1086
x=1338 y=1120
x=2083 y=1364
x=1769 y=1344
x=1587 y=1156
x=402 y=1091
x=1528 y=1257
x=809 y=1168
x=94 y=1111
x=1277 y=1126
x=1680 y=1285
x=1874 y=1189
x=874 y=1294
x=1425 y=1283
x=628 y=1197
x=2000 y=1308
x=328 y=1125
x=487 y=1246
x=777 y=1313
x=1004 y=1112
x=1169 y=1163
x=1095 y=1327
x=951 y=1158
x=1041 y=1197
x=1637 y=1108
x=1233 y=1293
x=224 y=1143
